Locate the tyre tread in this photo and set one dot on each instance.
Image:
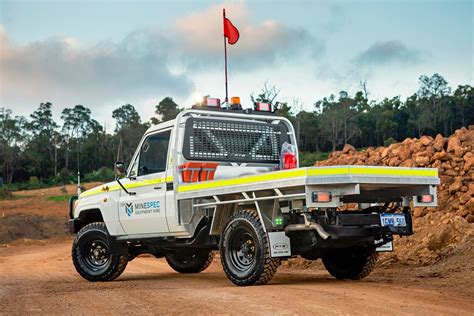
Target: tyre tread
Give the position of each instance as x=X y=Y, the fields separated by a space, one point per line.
x=193 y=269
x=270 y=265
x=358 y=271
x=110 y=275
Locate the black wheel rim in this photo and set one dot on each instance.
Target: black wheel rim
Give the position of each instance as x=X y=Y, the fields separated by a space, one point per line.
x=96 y=255
x=242 y=250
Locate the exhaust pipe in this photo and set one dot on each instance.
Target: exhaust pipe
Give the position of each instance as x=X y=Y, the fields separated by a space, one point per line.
x=308 y=225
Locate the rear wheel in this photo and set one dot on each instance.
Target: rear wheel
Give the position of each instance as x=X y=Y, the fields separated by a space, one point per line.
x=96 y=256
x=244 y=249
x=194 y=262
x=350 y=263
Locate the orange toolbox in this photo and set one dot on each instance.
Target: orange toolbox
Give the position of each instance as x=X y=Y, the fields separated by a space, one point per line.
x=198 y=171
x=208 y=170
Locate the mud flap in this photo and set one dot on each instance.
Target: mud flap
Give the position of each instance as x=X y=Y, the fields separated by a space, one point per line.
x=279 y=244
x=387 y=247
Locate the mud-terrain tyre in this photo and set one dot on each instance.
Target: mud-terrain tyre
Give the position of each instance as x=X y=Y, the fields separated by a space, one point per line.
x=244 y=250
x=194 y=263
x=350 y=263
x=96 y=256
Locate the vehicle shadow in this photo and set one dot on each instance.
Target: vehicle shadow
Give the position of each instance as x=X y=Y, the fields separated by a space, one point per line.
x=208 y=279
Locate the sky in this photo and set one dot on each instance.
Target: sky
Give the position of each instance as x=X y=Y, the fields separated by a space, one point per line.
x=104 y=54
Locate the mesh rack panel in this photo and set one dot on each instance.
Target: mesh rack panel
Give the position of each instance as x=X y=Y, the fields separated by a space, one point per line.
x=233 y=141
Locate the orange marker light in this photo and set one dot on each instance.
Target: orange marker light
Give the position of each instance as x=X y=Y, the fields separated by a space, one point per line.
x=235 y=100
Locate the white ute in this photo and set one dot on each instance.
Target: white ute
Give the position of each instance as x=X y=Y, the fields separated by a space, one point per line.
x=220 y=179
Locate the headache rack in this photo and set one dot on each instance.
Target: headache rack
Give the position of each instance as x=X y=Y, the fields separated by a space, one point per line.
x=233 y=141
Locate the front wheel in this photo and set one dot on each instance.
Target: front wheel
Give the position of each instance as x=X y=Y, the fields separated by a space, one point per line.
x=95 y=256
x=194 y=262
x=350 y=263
x=244 y=249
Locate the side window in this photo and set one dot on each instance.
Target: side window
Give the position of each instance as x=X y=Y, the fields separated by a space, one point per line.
x=153 y=154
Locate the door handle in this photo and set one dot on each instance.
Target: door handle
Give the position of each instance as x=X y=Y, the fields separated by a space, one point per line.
x=158 y=187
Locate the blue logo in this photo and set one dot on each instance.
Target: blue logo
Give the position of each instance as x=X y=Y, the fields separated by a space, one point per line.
x=129 y=209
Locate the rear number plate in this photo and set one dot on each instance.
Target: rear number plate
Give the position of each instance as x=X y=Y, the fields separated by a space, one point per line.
x=396 y=220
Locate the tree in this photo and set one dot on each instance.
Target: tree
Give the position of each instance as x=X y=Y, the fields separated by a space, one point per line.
x=267 y=94
x=129 y=131
x=12 y=137
x=348 y=116
x=463 y=100
x=338 y=119
x=284 y=110
x=125 y=116
x=77 y=124
x=385 y=124
x=166 y=110
x=310 y=131
x=330 y=124
x=432 y=97
x=42 y=147
x=298 y=106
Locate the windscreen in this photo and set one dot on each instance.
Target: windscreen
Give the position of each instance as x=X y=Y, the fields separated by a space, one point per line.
x=233 y=141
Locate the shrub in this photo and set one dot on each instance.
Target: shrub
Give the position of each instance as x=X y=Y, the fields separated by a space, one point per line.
x=389 y=141
x=308 y=159
x=34 y=183
x=104 y=174
x=5 y=193
x=64 y=174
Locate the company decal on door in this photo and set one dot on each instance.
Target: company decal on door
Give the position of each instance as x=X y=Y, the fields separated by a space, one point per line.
x=144 y=208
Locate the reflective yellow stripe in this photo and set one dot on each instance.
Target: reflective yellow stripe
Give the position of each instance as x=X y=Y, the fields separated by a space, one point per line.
x=279 y=175
x=131 y=185
x=400 y=172
x=328 y=171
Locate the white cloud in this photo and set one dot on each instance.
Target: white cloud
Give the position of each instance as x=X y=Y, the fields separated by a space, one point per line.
x=147 y=64
x=61 y=71
x=260 y=44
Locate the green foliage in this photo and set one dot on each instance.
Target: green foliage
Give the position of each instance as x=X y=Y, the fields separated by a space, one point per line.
x=104 y=174
x=308 y=159
x=389 y=141
x=5 y=193
x=34 y=183
x=125 y=116
x=64 y=175
x=166 y=110
x=129 y=131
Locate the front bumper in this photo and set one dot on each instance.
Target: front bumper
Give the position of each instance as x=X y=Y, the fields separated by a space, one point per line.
x=72 y=221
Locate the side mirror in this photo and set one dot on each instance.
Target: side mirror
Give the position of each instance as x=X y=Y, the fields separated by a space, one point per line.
x=119 y=169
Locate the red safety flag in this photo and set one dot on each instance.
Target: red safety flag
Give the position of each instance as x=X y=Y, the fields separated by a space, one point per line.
x=230 y=31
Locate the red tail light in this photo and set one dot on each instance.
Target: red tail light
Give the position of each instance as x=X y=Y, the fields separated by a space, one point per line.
x=289 y=161
x=426 y=198
x=322 y=197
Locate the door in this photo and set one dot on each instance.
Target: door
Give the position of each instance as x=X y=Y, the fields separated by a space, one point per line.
x=145 y=211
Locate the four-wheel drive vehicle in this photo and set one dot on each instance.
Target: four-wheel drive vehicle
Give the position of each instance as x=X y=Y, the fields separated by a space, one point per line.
x=216 y=180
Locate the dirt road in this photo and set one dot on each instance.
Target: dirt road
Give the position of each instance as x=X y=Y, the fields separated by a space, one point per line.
x=40 y=278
